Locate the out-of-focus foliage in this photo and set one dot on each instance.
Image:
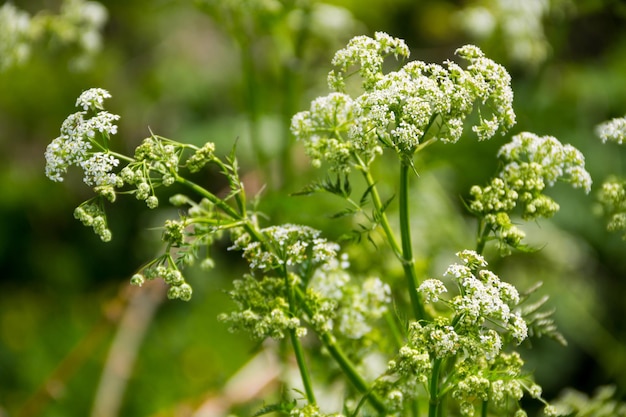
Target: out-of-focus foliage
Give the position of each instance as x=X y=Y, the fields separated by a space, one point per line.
x=189 y=71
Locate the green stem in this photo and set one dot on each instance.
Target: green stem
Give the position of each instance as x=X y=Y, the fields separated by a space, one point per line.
x=404 y=253
x=297 y=346
x=415 y=409
x=304 y=373
x=434 y=389
x=256 y=235
x=408 y=262
x=119 y=156
x=485 y=406
x=252 y=97
x=378 y=205
x=351 y=373
x=483 y=234
x=230 y=212
x=344 y=362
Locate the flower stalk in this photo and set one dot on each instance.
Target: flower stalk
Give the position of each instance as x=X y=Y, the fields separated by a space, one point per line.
x=408 y=262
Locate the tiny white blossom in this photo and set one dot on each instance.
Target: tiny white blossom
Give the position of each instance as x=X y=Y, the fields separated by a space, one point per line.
x=92 y=99
x=613 y=130
x=431 y=289
x=98 y=170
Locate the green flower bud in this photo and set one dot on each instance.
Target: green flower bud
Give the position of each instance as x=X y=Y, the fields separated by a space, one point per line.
x=173 y=293
x=152 y=202
x=137 y=280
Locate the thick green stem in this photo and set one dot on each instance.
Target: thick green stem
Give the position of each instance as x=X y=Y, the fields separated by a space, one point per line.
x=434 y=389
x=407 y=246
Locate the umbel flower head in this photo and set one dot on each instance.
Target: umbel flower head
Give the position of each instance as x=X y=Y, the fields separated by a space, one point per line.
x=470 y=340
x=80 y=134
x=532 y=163
x=613 y=130
x=402 y=109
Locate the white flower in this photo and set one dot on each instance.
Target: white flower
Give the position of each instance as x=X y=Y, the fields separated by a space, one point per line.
x=92 y=99
x=431 y=289
x=444 y=341
x=534 y=160
x=472 y=259
x=613 y=130
x=98 y=169
x=78 y=136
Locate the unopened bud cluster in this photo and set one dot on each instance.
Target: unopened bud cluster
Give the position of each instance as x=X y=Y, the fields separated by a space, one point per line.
x=166 y=269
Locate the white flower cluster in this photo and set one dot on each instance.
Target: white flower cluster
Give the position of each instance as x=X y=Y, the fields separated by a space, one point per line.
x=287 y=245
x=262 y=308
x=482 y=297
x=471 y=388
x=612 y=130
x=368 y=54
x=79 y=135
x=612 y=196
x=401 y=109
x=325 y=127
x=88 y=19
x=532 y=163
x=357 y=305
x=406 y=373
x=478 y=368
x=92 y=99
x=502 y=384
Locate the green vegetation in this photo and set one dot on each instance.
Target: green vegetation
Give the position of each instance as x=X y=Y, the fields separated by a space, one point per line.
x=351 y=186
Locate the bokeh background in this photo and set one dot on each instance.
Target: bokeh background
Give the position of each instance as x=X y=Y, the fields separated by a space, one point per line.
x=76 y=340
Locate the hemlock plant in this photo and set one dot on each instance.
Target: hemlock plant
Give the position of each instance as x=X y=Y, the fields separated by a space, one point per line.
x=453 y=351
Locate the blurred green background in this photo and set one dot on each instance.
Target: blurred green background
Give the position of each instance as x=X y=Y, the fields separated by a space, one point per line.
x=237 y=70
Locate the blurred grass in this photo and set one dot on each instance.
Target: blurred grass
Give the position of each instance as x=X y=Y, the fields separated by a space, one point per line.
x=178 y=71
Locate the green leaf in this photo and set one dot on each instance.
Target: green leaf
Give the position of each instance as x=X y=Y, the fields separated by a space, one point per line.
x=540 y=322
x=284 y=407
